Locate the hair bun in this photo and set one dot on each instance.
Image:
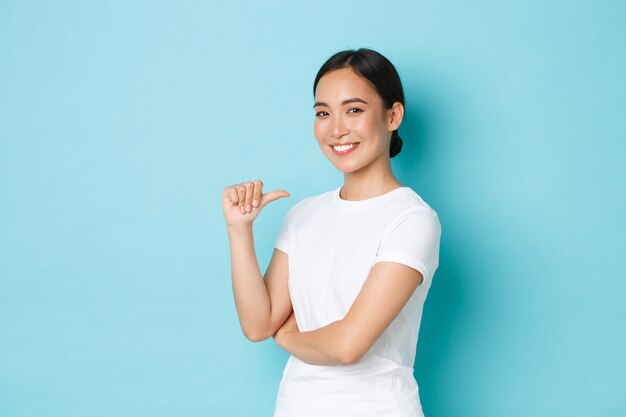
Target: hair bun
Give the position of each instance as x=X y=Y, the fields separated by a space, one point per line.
x=396 y=144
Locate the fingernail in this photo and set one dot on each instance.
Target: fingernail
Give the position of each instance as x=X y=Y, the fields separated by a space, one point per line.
x=255 y=203
x=242 y=210
x=248 y=208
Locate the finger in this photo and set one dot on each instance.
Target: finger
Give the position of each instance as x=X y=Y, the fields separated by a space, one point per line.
x=271 y=196
x=258 y=187
x=234 y=197
x=248 y=200
x=241 y=191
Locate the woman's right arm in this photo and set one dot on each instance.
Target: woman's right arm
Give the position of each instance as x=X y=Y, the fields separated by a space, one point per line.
x=262 y=303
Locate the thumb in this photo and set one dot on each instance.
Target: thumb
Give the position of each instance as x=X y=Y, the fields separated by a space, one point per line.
x=271 y=196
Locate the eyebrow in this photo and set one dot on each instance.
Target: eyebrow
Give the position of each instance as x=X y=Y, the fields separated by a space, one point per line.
x=343 y=103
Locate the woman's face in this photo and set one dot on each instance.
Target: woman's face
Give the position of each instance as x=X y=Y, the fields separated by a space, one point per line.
x=349 y=111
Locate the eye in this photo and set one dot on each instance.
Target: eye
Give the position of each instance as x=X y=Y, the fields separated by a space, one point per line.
x=320 y=114
x=357 y=110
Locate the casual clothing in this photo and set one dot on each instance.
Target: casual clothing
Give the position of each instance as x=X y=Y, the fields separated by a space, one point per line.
x=332 y=244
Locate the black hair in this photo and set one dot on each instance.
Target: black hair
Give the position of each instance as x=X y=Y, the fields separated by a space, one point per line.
x=379 y=71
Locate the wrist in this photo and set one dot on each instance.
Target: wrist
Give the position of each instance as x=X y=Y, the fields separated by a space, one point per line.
x=238 y=228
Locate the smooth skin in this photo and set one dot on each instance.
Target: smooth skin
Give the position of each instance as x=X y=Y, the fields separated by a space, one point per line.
x=347 y=109
x=263 y=303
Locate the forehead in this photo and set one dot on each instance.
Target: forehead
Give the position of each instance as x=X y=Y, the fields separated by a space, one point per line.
x=343 y=83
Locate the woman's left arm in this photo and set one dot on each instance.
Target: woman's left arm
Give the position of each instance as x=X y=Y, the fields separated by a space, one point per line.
x=385 y=292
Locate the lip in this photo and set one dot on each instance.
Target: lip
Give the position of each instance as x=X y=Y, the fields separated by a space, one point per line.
x=342 y=153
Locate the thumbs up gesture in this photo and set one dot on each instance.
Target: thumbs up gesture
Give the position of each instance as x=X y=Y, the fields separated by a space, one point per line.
x=242 y=202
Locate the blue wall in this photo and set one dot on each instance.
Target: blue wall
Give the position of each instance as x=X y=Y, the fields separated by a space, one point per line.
x=121 y=123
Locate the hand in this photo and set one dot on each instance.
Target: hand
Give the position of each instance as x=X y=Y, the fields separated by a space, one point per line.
x=289 y=326
x=243 y=202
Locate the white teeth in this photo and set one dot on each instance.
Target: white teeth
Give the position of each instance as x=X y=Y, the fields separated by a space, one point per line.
x=344 y=147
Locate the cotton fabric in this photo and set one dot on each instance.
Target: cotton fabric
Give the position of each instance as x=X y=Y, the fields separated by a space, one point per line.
x=331 y=244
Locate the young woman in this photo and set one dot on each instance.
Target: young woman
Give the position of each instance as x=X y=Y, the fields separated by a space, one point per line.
x=351 y=269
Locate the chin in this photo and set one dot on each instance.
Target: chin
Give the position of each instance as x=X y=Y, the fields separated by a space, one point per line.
x=346 y=168
x=343 y=165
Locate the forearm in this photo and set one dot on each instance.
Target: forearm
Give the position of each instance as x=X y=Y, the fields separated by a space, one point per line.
x=250 y=293
x=323 y=346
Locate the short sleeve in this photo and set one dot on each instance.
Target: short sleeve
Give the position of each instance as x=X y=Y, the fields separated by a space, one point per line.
x=413 y=241
x=282 y=240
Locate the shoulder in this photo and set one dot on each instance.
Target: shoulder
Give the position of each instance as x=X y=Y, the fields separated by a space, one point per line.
x=416 y=202
x=411 y=205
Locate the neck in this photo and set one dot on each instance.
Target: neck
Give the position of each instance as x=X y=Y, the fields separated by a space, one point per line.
x=373 y=180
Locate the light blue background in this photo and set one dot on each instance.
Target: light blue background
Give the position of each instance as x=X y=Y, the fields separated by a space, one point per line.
x=122 y=122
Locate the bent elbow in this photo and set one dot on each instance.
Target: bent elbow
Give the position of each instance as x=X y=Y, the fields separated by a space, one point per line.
x=255 y=336
x=349 y=354
x=348 y=358
x=349 y=347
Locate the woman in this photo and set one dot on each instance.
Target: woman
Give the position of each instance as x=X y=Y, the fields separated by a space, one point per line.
x=346 y=284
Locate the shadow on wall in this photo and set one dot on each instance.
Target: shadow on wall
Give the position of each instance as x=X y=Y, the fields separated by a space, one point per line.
x=438 y=128
x=426 y=133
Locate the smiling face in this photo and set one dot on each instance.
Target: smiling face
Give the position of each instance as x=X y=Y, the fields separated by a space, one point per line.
x=348 y=110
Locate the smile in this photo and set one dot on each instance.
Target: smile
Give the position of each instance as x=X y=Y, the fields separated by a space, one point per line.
x=344 y=149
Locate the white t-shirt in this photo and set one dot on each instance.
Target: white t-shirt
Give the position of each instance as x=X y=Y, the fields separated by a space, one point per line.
x=332 y=243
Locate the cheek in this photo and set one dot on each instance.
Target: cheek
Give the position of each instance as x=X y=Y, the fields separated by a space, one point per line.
x=361 y=124
x=366 y=126
x=319 y=130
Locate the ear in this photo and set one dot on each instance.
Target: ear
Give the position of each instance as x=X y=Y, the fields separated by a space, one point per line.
x=394 y=116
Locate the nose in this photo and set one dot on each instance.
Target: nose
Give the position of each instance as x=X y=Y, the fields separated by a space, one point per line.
x=339 y=128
